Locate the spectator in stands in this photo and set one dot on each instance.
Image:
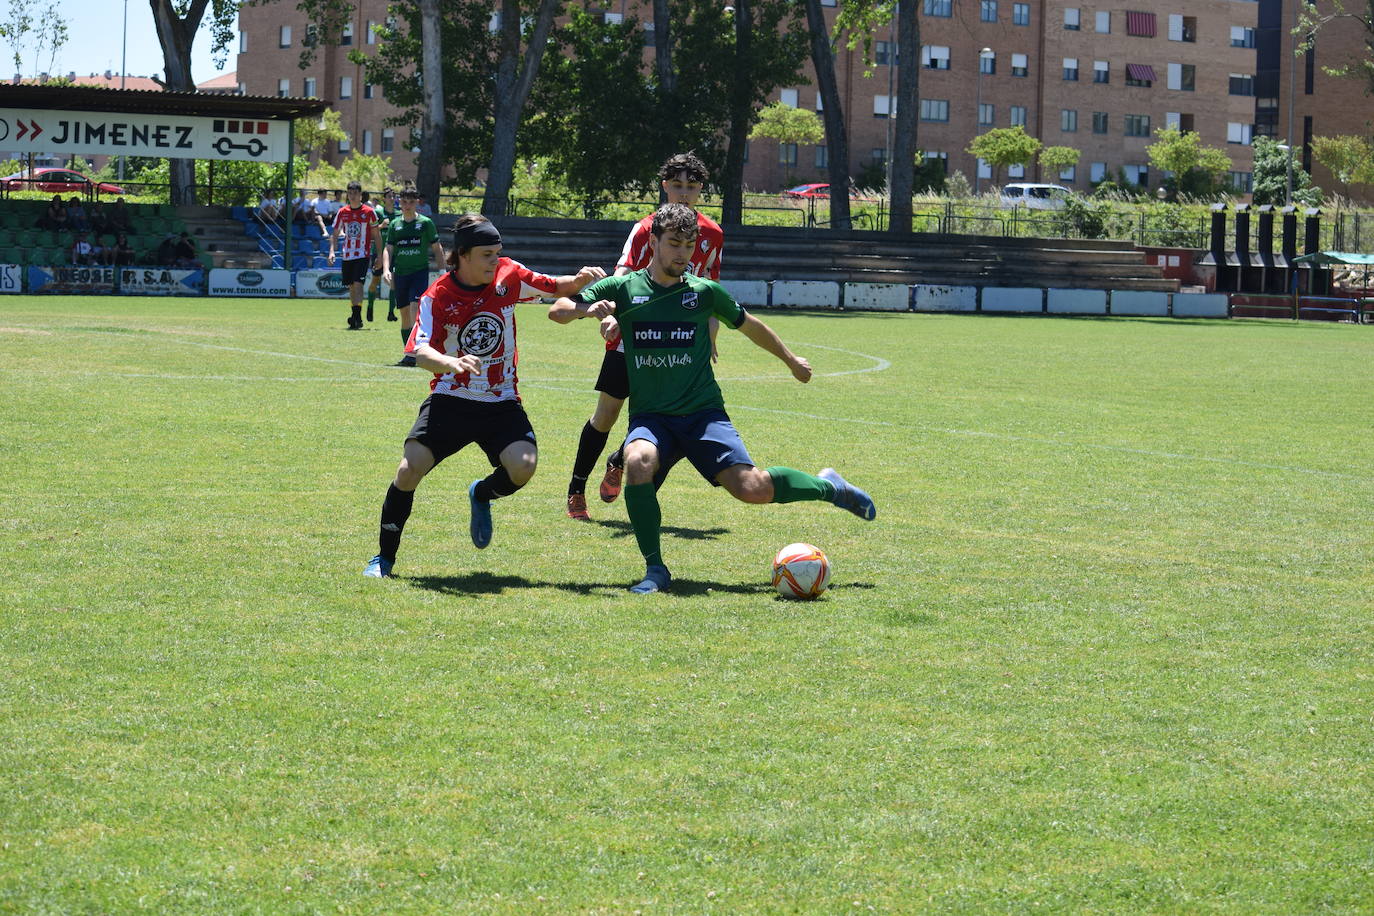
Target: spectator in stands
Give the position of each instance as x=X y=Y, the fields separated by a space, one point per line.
x=167 y=251
x=99 y=220
x=76 y=215
x=185 y=253
x=121 y=253
x=269 y=208
x=322 y=207
x=424 y=209
x=300 y=207
x=119 y=217
x=83 y=252
x=54 y=217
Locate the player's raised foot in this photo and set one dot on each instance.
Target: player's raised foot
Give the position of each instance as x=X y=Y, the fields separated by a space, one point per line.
x=379 y=567
x=848 y=496
x=479 y=526
x=391 y=316
x=656 y=579
x=406 y=360
x=610 y=484
x=577 y=507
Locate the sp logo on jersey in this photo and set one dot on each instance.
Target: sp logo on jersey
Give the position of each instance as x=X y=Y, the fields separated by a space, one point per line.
x=689 y=301
x=481 y=336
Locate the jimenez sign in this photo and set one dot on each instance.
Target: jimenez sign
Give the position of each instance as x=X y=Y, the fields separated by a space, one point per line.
x=164 y=136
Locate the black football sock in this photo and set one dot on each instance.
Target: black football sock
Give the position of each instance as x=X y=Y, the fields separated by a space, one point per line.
x=589 y=447
x=405 y=337
x=356 y=317
x=495 y=485
x=617 y=458
x=395 y=510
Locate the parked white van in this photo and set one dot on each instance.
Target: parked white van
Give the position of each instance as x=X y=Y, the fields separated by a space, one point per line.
x=1035 y=196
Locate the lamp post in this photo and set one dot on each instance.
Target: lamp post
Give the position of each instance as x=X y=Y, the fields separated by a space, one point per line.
x=983 y=55
x=1292 y=88
x=124 y=68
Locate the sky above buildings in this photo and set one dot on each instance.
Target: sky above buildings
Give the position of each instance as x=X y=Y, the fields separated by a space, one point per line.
x=95 y=43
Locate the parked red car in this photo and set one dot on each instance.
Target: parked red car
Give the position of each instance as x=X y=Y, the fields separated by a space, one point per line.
x=58 y=181
x=819 y=192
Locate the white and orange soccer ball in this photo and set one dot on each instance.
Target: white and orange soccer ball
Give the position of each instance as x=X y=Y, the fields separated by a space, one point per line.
x=801 y=571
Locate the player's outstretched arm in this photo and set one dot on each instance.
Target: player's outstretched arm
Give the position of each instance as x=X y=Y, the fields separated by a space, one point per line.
x=565 y=310
x=575 y=283
x=764 y=337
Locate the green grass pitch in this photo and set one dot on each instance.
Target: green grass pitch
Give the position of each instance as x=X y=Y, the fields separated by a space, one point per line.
x=1106 y=648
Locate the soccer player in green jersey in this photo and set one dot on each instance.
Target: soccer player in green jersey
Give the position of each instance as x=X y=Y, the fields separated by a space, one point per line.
x=662 y=313
x=407 y=244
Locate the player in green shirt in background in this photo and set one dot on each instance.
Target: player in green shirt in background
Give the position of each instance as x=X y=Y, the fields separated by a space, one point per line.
x=409 y=241
x=676 y=408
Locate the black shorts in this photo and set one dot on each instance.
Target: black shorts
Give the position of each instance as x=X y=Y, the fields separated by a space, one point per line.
x=614 y=378
x=409 y=287
x=354 y=270
x=447 y=423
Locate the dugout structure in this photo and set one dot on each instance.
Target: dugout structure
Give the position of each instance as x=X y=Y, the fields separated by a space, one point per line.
x=168 y=125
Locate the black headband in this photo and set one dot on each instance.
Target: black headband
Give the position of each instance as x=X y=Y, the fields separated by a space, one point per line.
x=476 y=235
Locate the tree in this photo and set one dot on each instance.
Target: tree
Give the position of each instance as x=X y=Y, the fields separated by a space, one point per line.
x=1358 y=13
x=788 y=125
x=1004 y=146
x=313 y=136
x=515 y=72
x=429 y=173
x=49 y=35
x=1348 y=158
x=904 y=131
x=1271 y=176
x=836 y=137
x=1182 y=153
x=1055 y=159
x=177 y=22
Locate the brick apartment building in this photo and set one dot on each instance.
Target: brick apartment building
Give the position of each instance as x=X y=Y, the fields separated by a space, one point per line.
x=1091 y=74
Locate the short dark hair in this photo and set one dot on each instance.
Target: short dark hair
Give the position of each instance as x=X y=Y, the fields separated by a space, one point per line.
x=677 y=218
x=684 y=162
x=409 y=194
x=355 y=186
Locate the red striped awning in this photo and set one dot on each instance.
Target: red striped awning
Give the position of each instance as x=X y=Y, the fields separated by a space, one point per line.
x=1142 y=24
x=1141 y=72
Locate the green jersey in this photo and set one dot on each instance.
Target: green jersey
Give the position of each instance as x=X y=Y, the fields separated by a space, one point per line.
x=411 y=243
x=667 y=338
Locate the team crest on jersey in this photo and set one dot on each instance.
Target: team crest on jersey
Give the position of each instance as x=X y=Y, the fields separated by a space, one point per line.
x=705 y=244
x=500 y=289
x=481 y=336
x=689 y=300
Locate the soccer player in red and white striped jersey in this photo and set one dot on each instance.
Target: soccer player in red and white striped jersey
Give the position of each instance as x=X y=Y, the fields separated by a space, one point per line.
x=465 y=335
x=357 y=224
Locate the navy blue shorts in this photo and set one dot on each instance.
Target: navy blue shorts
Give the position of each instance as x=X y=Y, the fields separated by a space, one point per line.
x=410 y=287
x=706 y=438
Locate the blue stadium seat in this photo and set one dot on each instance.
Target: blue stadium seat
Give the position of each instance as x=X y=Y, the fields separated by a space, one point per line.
x=300 y=262
x=276 y=262
x=241 y=214
x=314 y=232
x=305 y=246
x=321 y=262
x=252 y=229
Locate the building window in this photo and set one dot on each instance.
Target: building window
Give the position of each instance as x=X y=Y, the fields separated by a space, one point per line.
x=1016 y=171
x=881 y=108
x=987 y=10
x=1239 y=133
x=746 y=150
x=345 y=87
x=284 y=37
x=1104 y=23
x=884 y=53
x=984 y=169
x=243 y=41
x=1068 y=174
x=1071 y=18
x=371 y=32
x=1097 y=171
x=1099 y=122
x=934 y=110
x=1137 y=125
x=822 y=157
x=367 y=143
x=344 y=146
x=1244 y=182
x=1242 y=84
x=987 y=63
x=787 y=154
x=1242 y=37
x=1140 y=75
x=1019 y=65
x=879 y=154
x=788 y=97
x=346 y=35
x=1068 y=120
x=388 y=139
x=1018 y=116
x=1182 y=28
x=283 y=88
x=1071 y=69
x=986 y=114
x=935 y=57
x=309 y=83
x=1141 y=25
x=1102 y=71
x=613 y=18
x=820 y=102
x=940 y=159
x=1020 y=14
x=937 y=8
x=1138 y=175
x=1182 y=77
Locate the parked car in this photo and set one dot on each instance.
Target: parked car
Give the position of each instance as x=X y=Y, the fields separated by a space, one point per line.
x=1035 y=196
x=818 y=191
x=58 y=181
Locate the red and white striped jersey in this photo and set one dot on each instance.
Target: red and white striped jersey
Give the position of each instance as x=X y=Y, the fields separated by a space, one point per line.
x=705 y=260
x=354 y=225
x=457 y=321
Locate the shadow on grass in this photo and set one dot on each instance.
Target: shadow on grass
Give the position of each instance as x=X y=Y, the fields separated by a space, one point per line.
x=486 y=583
x=620 y=529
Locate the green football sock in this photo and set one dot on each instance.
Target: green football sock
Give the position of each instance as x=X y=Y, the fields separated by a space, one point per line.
x=793 y=486
x=641 y=504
